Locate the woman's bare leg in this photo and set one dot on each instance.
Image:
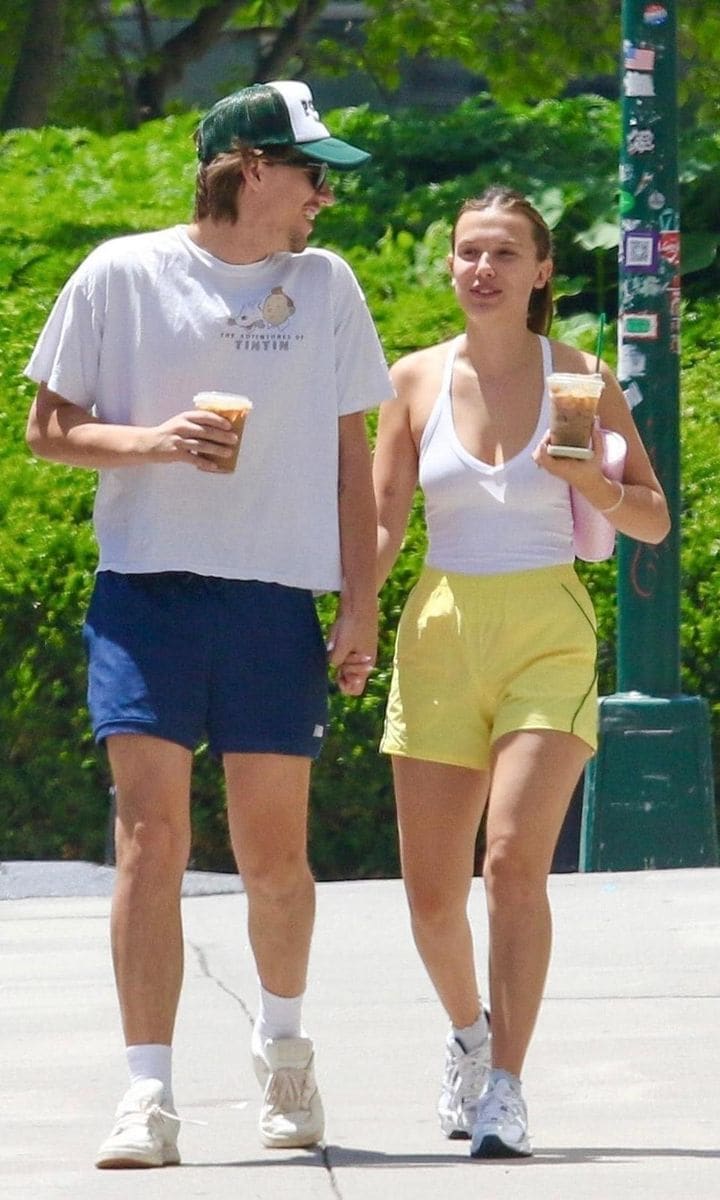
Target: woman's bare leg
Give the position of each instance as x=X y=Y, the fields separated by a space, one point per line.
x=533 y=778
x=439 y=810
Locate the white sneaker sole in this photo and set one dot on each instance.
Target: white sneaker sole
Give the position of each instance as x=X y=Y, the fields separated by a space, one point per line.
x=129 y=1160
x=492 y=1146
x=297 y=1141
x=454 y=1134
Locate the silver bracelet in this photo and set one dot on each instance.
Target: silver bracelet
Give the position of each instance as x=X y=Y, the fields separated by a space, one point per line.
x=618 y=502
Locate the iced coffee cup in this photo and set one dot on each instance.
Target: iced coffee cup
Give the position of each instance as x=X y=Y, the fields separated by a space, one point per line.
x=235 y=410
x=573 y=407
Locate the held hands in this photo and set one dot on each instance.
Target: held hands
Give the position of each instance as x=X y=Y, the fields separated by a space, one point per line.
x=196 y=437
x=352 y=647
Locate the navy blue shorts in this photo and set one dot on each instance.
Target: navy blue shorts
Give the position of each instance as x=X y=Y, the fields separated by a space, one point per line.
x=187 y=657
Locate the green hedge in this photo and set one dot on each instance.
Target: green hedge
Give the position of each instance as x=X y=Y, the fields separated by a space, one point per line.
x=63 y=191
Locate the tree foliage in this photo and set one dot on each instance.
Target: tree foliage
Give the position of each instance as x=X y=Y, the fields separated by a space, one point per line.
x=119 y=61
x=531 y=49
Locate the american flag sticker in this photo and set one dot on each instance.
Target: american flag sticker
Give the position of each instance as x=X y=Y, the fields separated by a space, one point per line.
x=638 y=58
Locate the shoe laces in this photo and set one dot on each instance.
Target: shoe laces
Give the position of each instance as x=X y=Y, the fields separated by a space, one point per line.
x=466 y=1074
x=501 y=1102
x=289 y=1089
x=150 y=1113
x=157 y=1110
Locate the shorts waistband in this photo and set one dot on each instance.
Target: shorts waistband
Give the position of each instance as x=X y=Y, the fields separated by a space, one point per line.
x=192 y=581
x=535 y=579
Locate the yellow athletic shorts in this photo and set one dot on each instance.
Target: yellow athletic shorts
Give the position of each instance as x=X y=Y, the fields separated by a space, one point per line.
x=479 y=656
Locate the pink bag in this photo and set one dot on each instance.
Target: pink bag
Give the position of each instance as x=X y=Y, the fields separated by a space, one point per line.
x=593 y=534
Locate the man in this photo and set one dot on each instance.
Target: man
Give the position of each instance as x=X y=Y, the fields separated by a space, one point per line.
x=202 y=621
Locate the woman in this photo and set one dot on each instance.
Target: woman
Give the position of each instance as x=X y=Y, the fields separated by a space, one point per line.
x=493 y=699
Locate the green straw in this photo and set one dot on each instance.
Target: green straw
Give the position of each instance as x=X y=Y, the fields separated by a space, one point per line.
x=599 y=346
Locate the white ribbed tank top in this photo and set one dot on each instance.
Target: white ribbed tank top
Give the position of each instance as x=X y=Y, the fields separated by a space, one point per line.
x=484 y=520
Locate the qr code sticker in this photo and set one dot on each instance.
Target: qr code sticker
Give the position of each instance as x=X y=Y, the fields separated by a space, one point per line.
x=639 y=251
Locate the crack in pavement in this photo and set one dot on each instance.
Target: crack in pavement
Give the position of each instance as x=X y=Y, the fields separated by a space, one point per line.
x=204 y=966
x=205 y=969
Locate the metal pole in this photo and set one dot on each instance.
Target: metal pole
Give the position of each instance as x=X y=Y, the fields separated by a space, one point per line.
x=649 y=337
x=648 y=798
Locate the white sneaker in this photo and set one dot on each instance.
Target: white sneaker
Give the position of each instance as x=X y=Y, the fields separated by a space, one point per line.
x=501 y=1124
x=465 y=1076
x=292 y=1112
x=144 y=1133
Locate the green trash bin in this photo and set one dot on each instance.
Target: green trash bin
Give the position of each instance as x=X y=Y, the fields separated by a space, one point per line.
x=648 y=801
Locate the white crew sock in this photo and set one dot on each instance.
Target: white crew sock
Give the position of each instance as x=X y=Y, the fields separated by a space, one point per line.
x=472 y=1036
x=278 y=1017
x=152 y=1061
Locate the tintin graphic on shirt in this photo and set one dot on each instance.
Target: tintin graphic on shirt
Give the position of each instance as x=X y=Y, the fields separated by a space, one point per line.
x=261 y=326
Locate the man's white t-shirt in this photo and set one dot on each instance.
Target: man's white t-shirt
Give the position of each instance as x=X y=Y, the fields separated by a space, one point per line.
x=149 y=320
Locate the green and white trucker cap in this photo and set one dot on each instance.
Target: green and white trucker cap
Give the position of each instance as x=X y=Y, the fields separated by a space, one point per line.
x=281 y=113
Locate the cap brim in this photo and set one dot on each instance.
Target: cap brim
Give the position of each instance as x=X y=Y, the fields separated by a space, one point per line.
x=334 y=152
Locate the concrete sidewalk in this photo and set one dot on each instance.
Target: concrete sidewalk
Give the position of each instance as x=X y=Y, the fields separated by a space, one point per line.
x=622 y=1080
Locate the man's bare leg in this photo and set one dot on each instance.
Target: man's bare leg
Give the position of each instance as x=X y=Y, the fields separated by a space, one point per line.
x=152 y=843
x=267 y=811
x=267 y=814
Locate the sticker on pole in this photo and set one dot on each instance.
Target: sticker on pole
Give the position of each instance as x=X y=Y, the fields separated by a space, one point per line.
x=670 y=246
x=640 y=250
x=635 y=83
x=633 y=395
x=655 y=14
x=638 y=58
x=633 y=363
x=641 y=326
x=640 y=141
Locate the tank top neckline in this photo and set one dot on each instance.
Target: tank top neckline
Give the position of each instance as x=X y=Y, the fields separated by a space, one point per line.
x=445 y=405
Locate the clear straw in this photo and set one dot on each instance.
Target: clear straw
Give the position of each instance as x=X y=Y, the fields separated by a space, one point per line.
x=599 y=345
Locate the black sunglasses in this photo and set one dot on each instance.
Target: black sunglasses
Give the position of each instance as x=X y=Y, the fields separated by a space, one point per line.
x=316 y=171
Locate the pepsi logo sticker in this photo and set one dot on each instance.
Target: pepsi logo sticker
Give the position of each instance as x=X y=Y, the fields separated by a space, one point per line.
x=655 y=14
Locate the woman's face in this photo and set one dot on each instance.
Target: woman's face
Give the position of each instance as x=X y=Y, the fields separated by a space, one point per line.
x=495 y=264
